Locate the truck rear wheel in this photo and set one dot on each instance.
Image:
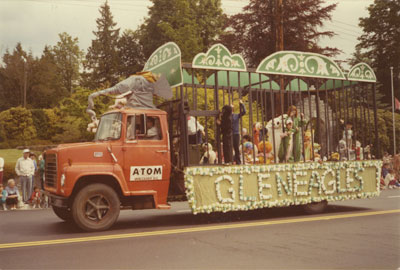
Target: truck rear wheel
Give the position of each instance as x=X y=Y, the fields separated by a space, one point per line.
x=315 y=207
x=62 y=213
x=95 y=208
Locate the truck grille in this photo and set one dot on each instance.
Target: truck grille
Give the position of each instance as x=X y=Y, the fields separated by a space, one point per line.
x=51 y=170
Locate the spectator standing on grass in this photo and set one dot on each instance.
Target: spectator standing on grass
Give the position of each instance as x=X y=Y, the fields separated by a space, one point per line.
x=41 y=170
x=33 y=157
x=1 y=169
x=12 y=194
x=25 y=169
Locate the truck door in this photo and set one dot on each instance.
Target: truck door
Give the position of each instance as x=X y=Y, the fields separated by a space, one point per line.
x=146 y=155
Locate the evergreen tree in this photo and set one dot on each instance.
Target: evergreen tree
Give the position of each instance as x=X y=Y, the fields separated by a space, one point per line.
x=17 y=69
x=380 y=43
x=253 y=32
x=47 y=89
x=130 y=54
x=102 y=56
x=68 y=57
x=193 y=24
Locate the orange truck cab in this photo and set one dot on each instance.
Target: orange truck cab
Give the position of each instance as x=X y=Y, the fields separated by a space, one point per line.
x=127 y=165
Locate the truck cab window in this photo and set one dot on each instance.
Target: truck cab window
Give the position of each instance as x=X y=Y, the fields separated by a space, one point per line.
x=143 y=128
x=130 y=128
x=153 y=131
x=109 y=127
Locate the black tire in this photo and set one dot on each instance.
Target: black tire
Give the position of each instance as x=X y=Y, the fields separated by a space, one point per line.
x=95 y=208
x=315 y=207
x=63 y=213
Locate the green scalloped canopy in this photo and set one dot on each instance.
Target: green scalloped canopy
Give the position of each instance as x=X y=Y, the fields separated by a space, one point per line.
x=166 y=60
x=220 y=58
x=244 y=80
x=302 y=64
x=294 y=85
x=187 y=78
x=335 y=84
x=361 y=72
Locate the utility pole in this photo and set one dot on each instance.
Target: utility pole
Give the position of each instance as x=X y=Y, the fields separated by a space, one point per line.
x=25 y=79
x=393 y=106
x=279 y=47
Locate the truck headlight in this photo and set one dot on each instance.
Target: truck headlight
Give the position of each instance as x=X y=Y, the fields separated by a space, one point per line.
x=62 y=180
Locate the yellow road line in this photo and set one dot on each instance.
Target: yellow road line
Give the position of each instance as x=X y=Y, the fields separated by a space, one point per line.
x=193 y=229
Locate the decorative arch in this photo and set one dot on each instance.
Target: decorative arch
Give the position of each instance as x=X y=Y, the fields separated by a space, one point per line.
x=166 y=60
x=220 y=58
x=303 y=64
x=361 y=72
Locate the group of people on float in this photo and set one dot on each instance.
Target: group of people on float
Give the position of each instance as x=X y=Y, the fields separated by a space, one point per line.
x=292 y=146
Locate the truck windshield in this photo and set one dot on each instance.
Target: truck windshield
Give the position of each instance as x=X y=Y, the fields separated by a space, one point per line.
x=109 y=127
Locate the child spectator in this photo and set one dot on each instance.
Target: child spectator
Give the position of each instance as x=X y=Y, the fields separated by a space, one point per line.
x=389 y=178
x=1 y=169
x=3 y=197
x=385 y=170
x=36 y=198
x=12 y=194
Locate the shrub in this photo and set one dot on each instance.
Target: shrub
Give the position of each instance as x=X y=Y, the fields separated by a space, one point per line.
x=17 y=126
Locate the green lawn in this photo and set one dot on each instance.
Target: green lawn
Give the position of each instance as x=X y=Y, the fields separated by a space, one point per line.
x=10 y=155
x=10 y=158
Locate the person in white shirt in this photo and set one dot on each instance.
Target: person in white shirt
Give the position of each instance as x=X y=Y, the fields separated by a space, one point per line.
x=1 y=169
x=25 y=169
x=194 y=130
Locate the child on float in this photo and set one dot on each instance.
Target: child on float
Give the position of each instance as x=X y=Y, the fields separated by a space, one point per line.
x=286 y=146
x=250 y=147
x=209 y=156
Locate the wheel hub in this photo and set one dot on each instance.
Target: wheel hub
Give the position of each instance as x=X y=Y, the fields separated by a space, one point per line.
x=97 y=207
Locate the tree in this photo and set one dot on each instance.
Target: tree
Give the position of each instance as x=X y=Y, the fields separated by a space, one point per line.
x=18 y=126
x=193 y=24
x=380 y=43
x=17 y=70
x=253 y=32
x=68 y=57
x=359 y=57
x=47 y=88
x=130 y=53
x=73 y=119
x=102 y=56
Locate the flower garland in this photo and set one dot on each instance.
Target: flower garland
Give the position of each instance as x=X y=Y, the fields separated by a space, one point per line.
x=293 y=171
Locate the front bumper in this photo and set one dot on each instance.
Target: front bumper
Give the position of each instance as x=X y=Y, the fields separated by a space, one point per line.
x=58 y=201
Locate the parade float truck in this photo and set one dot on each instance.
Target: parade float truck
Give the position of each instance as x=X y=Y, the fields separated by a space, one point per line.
x=142 y=152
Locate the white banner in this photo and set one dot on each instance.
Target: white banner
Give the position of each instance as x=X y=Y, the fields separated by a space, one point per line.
x=144 y=173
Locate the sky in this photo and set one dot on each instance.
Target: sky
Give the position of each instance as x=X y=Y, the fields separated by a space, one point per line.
x=36 y=23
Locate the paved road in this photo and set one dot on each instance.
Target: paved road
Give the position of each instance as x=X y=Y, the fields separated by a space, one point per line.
x=351 y=234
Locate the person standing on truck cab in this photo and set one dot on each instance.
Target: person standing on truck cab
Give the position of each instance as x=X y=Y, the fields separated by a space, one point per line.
x=152 y=131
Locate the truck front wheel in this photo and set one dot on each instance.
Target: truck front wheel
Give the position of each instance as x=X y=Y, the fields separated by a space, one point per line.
x=95 y=208
x=62 y=213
